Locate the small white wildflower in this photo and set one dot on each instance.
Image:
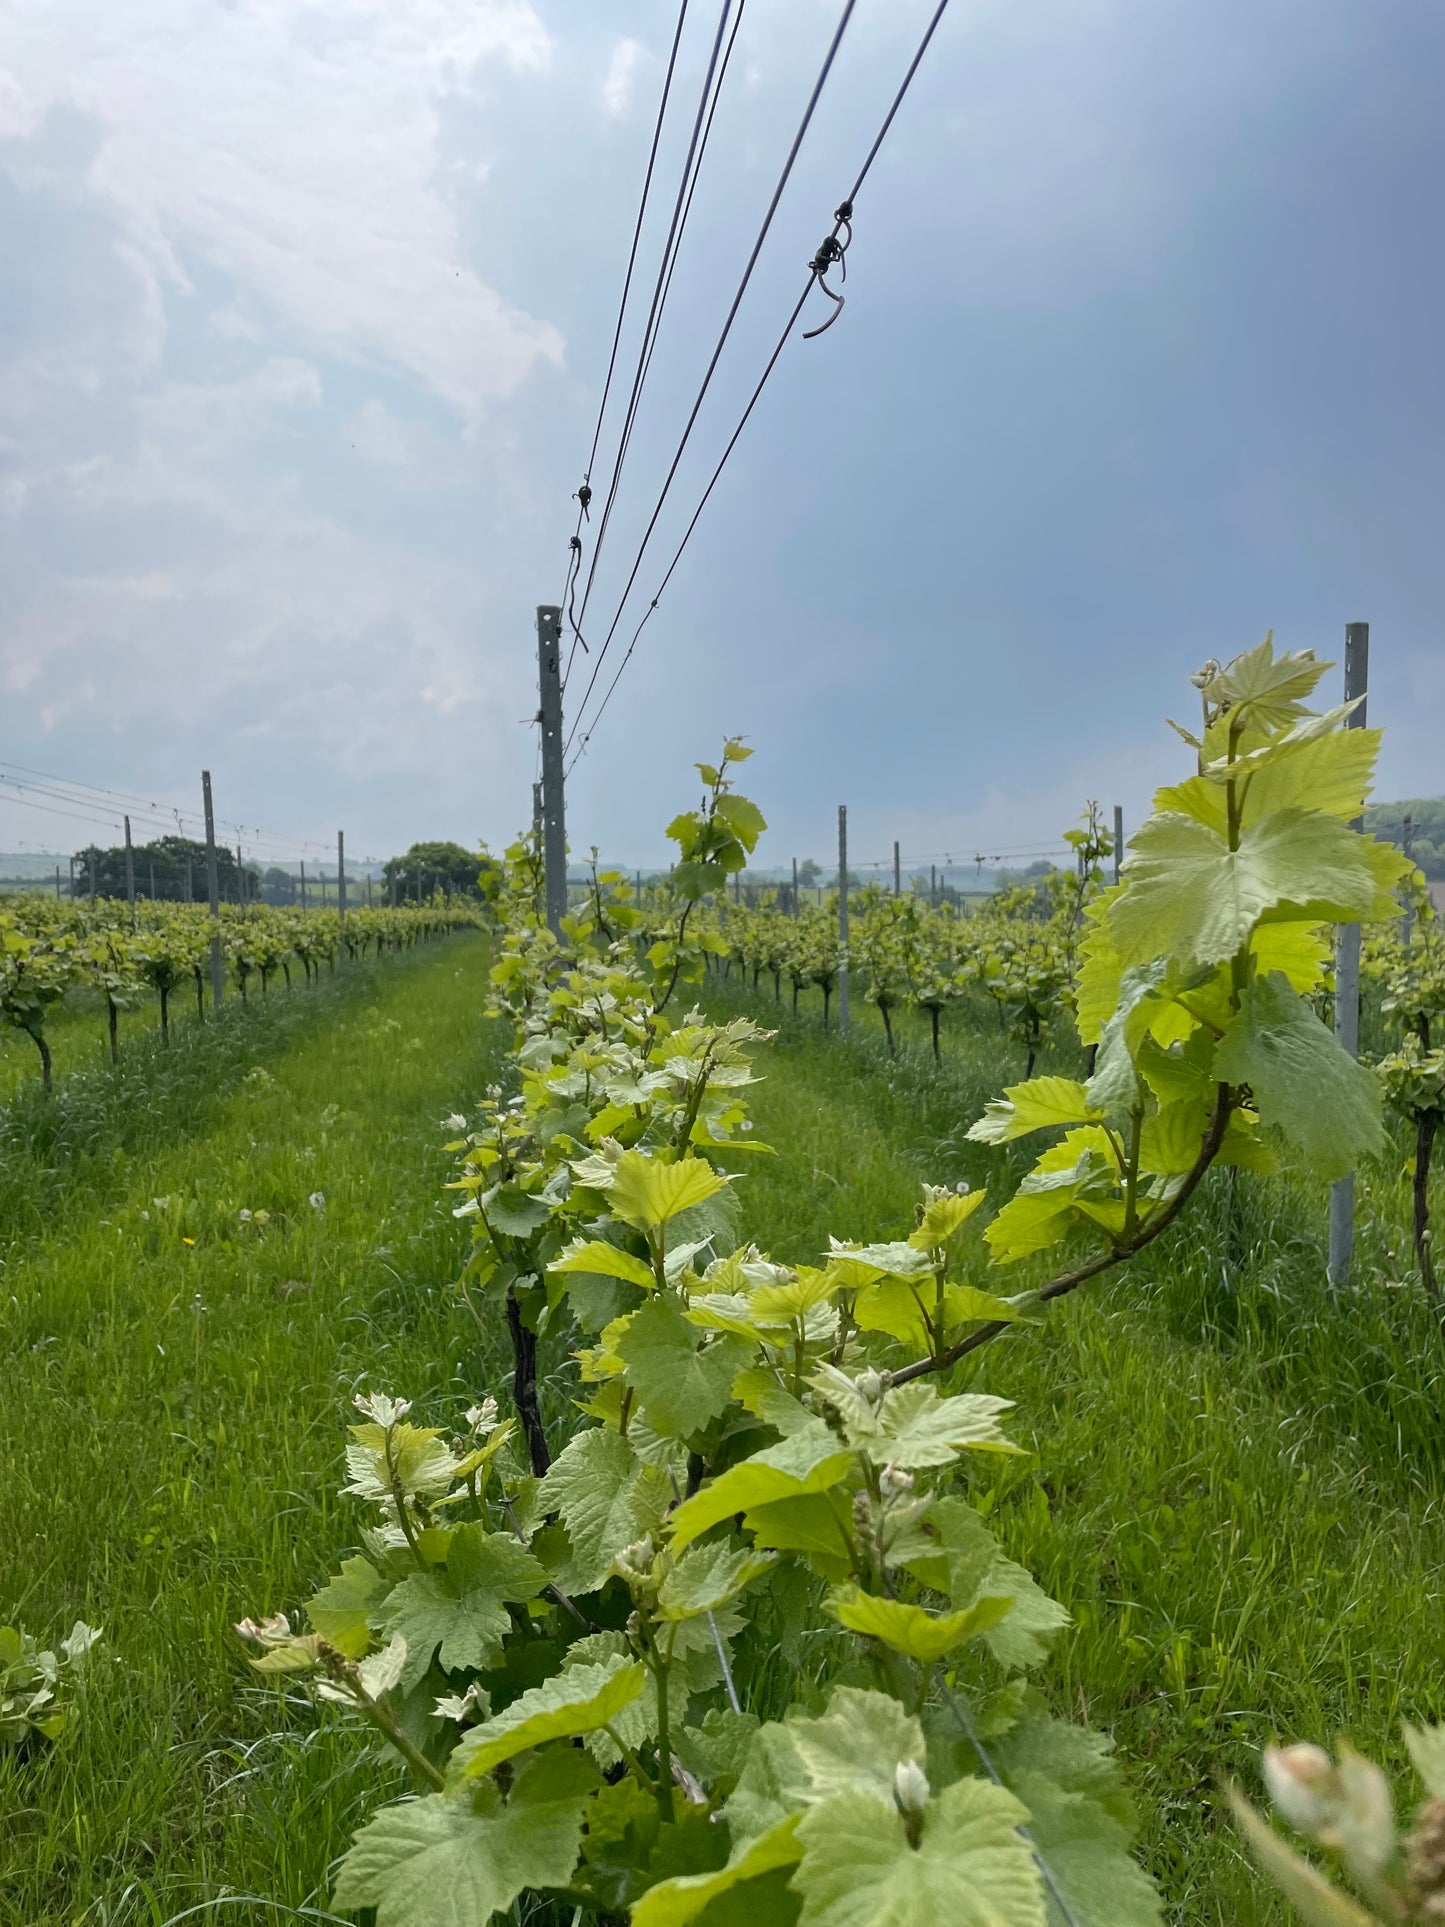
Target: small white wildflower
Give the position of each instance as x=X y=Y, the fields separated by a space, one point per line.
x=910 y=1787
x=962 y=1187
x=317 y=1200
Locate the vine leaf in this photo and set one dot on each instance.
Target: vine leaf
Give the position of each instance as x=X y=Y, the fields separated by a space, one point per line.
x=912 y=1630
x=1087 y=1851
x=917 y=1428
x=645 y=1192
x=1041 y=1104
x=571 y=1703
x=971 y=1867
x=597 y=1259
x=457 y=1862
x=605 y=1499
x=811 y=1460
x=1195 y=901
x=681 y=1385
x=458 y=1613
x=1304 y=1084
x=341 y=1611
x=674 y=1903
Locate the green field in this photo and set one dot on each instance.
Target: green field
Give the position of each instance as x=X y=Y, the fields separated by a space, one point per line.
x=1236 y=1484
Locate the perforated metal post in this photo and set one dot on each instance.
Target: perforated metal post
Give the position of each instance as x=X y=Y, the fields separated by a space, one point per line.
x=1347 y=974
x=554 y=818
x=213 y=890
x=842 y=916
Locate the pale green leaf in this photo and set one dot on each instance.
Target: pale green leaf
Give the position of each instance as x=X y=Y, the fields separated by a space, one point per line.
x=855 y=1746
x=673 y=1903
x=971 y=1867
x=458 y=1861
x=645 y=1192
x=1305 y=1086
x=1427 y=1749
x=1087 y=1852
x=706 y=1578
x=917 y=1428
x=458 y=1614
x=743 y=818
x=682 y=1381
x=811 y=1460
x=341 y=1611
x=944 y=1217
x=605 y=1499
x=570 y=1704
x=1043 y=1103
x=1193 y=900
x=912 y=1630
x=606 y=1261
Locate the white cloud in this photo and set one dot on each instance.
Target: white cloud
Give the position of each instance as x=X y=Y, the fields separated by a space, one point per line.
x=618 y=86
x=293 y=145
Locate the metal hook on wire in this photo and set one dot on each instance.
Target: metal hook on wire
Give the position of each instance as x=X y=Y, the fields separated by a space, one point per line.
x=832 y=252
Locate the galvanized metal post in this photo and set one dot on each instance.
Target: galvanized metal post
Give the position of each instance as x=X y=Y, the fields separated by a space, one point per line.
x=933 y=886
x=1118 y=840
x=1347 y=974
x=303 y=883
x=341 y=881
x=1407 y=843
x=368 y=889
x=213 y=889
x=240 y=878
x=897 y=874
x=795 y=886
x=554 y=815
x=842 y=916
x=129 y=870
x=57 y=883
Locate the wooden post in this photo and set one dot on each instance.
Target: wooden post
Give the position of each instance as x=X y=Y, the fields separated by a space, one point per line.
x=897 y=873
x=1347 y=975
x=554 y=815
x=842 y=916
x=190 y=887
x=1118 y=839
x=341 y=877
x=213 y=890
x=129 y=870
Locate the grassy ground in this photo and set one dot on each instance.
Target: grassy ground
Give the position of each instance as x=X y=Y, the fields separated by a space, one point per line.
x=174 y=1391
x=1238 y=1484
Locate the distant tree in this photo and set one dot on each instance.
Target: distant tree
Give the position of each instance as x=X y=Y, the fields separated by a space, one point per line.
x=448 y=867
x=170 y=859
x=279 y=886
x=808 y=874
x=1426 y=815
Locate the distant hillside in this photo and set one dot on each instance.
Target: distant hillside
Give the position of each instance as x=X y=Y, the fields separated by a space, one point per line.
x=1426 y=818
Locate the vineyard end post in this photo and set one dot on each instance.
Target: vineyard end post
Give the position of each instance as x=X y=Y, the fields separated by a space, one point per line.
x=1347 y=975
x=554 y=816
x=213 y=890
x=842 y=916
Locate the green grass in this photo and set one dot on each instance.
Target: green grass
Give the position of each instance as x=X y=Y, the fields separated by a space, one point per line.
x=1237 y=1483
x=172 y=1417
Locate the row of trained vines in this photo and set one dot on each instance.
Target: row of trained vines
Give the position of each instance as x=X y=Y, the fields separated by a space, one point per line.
x=709 y=1626
x=51 y=950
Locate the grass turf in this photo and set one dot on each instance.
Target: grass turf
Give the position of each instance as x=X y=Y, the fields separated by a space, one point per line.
x=174 y=1391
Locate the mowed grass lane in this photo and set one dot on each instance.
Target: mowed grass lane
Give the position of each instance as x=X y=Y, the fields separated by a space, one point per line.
x=1237 y=1484
x=175 y=1388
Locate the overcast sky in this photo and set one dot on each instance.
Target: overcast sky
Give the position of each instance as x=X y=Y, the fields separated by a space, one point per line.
x=304 y=312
